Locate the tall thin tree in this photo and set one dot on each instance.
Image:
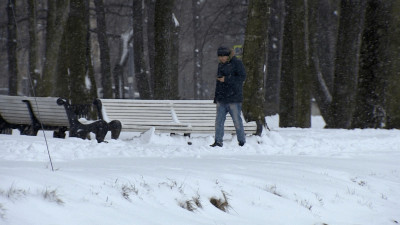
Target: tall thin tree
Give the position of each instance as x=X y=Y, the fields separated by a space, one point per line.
x=91 y=83
x=105 y=64
x=33 y=45
x=150 y=6
x=197 y=49
x=141 y=76
x=12 y=49
x=166 y=71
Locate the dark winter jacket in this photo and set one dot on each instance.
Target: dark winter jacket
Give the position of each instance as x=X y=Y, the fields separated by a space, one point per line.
x=230 y=91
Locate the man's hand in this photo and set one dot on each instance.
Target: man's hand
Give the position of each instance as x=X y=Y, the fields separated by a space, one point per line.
x=221 y=79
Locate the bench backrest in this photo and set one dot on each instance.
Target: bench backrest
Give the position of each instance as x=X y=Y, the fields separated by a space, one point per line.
x=197 y=115
x=14 y=111
x=48 y=111
x=128 y=111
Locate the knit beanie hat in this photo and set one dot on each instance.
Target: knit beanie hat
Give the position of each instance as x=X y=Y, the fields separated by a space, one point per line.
x=223 y=51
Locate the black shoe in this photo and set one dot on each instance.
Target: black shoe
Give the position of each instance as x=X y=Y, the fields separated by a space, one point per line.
x=216 y=144
x=241 y=143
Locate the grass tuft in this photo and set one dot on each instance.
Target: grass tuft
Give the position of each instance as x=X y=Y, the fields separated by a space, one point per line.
x=14 y=193
x=272 y=190
x=2 y=212
x=192 y=204
x=126 y=191
x=52 y=196
x=221 y=203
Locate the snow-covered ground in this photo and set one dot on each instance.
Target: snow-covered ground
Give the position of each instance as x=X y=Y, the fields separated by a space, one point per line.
x=287 y=176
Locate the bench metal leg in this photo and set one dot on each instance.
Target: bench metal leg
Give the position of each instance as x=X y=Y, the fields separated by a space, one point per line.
x=5 y=128
x=28 y=130
x=99 y=128
x=115 y=127
x=60 y=133
x=5 y=131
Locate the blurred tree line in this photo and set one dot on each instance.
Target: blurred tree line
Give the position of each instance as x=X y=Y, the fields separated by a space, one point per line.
x=344 y=55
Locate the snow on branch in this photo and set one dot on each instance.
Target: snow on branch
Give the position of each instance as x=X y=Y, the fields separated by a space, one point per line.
x=125 y=37
x=175 y=20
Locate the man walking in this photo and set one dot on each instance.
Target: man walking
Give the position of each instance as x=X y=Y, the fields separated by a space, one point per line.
x=229 y=94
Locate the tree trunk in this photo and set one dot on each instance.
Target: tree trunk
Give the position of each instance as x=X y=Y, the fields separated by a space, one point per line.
x=275 y=32
x=295 y=100
x=56 y=20
x=254 y=58
x=63 y=76
x=12 y=49
x=33 y=48
x=105 y=64
x=393 y=84
x=90 y=78
x=166 y=74
x=369 y=109
x=142 y=80
x=76 y=48
x=351 y=25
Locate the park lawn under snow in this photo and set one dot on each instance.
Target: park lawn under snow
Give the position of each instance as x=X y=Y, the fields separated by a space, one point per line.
x=287 y=176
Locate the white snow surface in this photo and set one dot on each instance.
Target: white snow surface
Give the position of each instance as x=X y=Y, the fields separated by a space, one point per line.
x=288 y=176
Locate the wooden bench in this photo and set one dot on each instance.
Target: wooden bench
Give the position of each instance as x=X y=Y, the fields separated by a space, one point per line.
x=166 y=116
x=49 y=113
